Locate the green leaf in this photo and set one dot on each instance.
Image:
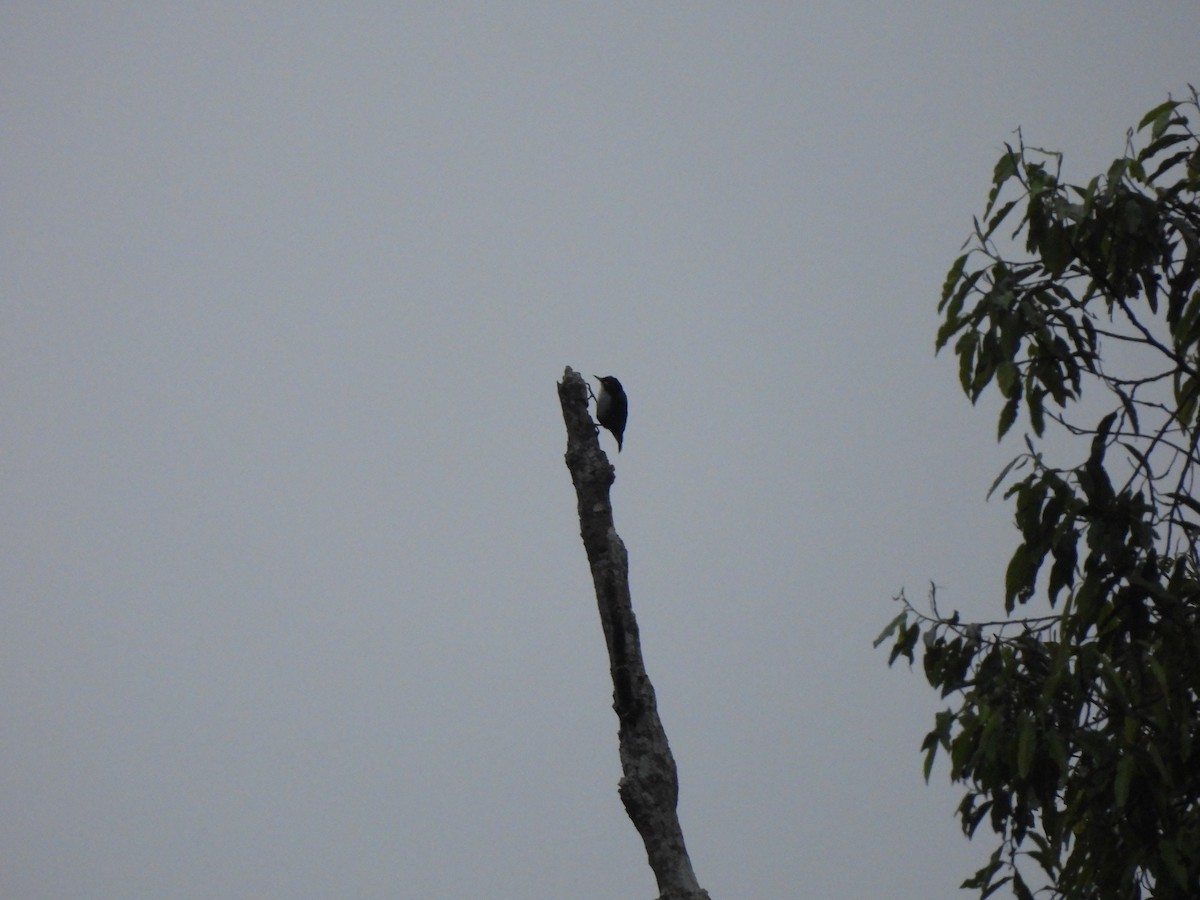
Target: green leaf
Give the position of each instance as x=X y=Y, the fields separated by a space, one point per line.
x=1062 y=573
x=1008 y=415
x=1113 y=681
x=1030 y=496
x=952 y=278
x=1161 y=144
x=1019 y=577
x=1057 y=251
x=1159 y=115
x=1016 y=462
x=1040 y=180
x=1100 y=441
x=986 y=358
x=1187 y=323
x=1089 y=329
x=905 y=642
x=890 y=629
x=1168 y=849
x=1051 y=378
x=995 y=886
x=1056 y=750
x=930 y=748
x=1020 y=889
x=965 y=347
x=1008 y=378
x=944 y=725
x=1186 y=390
x=1160 y=675
x=1037 y=415
x=983 y=877
x=952 y=322
x=1006 y=168
x=1026 y=744
x=1124 y=779
x=1000 y=215
x=1186 y=499
x=1117 y=171
x=1130 y=410
x=1173 y=160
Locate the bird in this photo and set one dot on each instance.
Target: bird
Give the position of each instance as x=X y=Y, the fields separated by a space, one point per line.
x=611 y=407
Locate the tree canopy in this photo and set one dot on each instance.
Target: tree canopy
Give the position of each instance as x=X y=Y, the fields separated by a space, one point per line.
x=1074 y=718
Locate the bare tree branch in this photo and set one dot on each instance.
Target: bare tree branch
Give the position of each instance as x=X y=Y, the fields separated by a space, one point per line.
x=649 y=787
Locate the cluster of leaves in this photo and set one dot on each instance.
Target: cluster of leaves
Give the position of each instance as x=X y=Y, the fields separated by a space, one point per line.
x=1077 y=732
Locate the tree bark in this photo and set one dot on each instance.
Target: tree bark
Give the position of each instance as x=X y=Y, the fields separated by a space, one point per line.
x=649 y=786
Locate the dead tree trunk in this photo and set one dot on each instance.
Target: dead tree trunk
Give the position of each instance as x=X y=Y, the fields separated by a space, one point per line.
x=649 y=787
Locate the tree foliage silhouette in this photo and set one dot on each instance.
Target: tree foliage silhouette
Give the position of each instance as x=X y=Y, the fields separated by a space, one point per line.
x=1074 y=719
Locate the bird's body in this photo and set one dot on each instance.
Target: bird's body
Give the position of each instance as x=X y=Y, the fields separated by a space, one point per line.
x=612 y=408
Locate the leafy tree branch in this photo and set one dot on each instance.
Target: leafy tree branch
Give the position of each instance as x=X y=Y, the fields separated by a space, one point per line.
x=1075 y=731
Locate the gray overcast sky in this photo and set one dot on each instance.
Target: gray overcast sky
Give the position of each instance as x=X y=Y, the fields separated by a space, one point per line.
x=294 y=603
